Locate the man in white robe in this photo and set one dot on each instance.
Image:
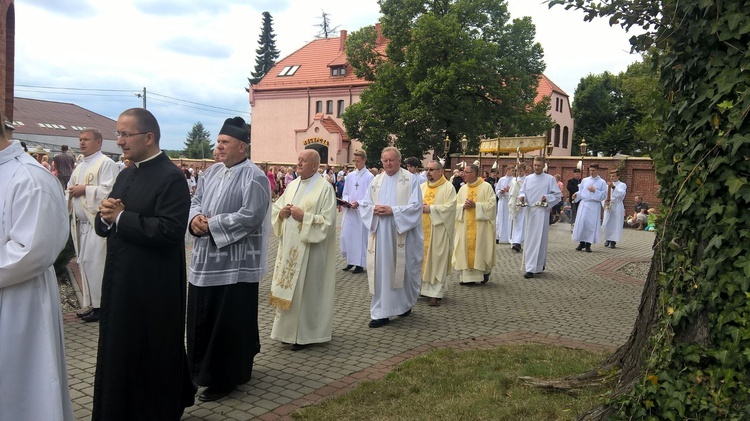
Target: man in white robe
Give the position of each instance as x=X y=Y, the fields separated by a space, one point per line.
x=438 y=221
x=90 y=183
x=614 y=211
x=591 y=192
x=304 y=279
x=476 y=208
x=230 y=216
x=502 y=222
x=540 y=192
x=33 y=231
x=392 y=213
x=517 y=221
x=353 y=231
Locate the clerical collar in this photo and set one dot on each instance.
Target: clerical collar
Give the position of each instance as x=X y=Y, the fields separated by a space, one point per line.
x=437 y=183
x=92 y=157
x=137 y=164
x=243 y=160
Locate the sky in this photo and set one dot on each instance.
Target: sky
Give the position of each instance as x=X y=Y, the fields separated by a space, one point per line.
x=194 y=58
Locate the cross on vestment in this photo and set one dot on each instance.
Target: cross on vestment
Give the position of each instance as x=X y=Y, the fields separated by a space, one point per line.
x=218 y=255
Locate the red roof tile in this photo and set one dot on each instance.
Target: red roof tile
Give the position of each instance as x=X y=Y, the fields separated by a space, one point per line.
x=329 y=124
x=546 y=87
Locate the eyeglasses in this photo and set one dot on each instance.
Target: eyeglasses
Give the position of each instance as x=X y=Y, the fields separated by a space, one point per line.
x=126 y=135
x=432 y=169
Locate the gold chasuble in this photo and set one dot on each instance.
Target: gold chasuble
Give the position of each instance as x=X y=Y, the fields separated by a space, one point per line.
x=475 y=228
x=438 y=230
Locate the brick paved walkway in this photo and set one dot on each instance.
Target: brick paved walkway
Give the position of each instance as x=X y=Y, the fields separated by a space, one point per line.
x=580 y=301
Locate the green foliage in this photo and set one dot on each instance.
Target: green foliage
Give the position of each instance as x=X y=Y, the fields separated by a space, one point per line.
x=266 y=54
x=697 y=365
x=198 y=143
x=452 y=67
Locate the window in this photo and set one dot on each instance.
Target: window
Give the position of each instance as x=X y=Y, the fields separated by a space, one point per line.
x=340 y=108
x=329 y=107
x=335 y=71
x=338 y=71
x=565 y=138
x=289 y=70
x=318 y=107
x=557 y=136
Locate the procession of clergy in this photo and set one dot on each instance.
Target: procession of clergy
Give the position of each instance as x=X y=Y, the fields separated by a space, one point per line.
x=129 y=228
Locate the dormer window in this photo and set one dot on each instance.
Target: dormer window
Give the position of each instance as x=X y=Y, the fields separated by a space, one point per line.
x=288 y=70
x=338 y=71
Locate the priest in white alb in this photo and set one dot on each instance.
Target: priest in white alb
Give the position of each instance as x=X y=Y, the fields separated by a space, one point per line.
x=33 y=231
x=517 y=222
x=540 y=193
x=392 y=213
x=353 y=231
x=614 y=210
x=304 y=279
x=591 y=192
x=476 y=207
x=438 y=221
x=90 y=183
x=502 y=222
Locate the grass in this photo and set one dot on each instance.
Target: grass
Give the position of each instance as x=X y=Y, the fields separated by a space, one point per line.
x=467 y=385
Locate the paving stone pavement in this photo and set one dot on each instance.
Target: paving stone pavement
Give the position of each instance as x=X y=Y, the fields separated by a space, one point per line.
x=579 y=301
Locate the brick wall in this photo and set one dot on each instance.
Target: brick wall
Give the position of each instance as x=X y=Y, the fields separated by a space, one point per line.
x=637 y=173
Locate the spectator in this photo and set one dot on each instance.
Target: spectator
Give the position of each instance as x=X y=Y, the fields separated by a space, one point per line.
x=640 y=217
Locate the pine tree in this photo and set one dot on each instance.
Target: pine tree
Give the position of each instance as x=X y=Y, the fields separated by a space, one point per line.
x=325 y=26
x=198 y=143
x=266 y=54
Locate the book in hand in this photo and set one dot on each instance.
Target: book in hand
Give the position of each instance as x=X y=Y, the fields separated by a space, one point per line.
x=344 y=203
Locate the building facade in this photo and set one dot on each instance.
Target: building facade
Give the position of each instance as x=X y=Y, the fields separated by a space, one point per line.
x=299 y=104
x=7 y=55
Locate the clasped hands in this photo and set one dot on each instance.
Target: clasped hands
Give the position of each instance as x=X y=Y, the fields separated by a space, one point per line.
x=110 y=209
x=290 y=210
x=469 y=204
x=199 y=225
x=382 y=210
x=77 y=190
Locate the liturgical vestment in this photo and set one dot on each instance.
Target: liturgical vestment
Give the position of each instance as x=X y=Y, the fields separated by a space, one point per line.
x=353 y=231
x=536 y=231
x=438 y=227
x=304 y=277
x=502 y=222
x=474 y=253
x=588 y=216
x=614 y=217
x=396 y=244
x=33 y=231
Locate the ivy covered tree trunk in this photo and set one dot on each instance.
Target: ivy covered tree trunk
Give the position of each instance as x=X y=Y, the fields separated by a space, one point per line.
x=689 y=353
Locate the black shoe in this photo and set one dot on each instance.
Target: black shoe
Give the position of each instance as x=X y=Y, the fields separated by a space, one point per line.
x=379 y=322
x=528 y=275
x=297 y=347
x=581 y=245
x=588 y=247
x=405 y=314
x=84 y=313
x=91 y=317
x=497 y=241
x=486 y=278
x=612 y=244
x=516 y=247
x=358 y=269
x=467 y=284
x=214 y=393
x=348 y=267
x=606 y=243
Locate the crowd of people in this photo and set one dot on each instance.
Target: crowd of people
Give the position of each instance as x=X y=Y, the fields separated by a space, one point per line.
x=404 y=229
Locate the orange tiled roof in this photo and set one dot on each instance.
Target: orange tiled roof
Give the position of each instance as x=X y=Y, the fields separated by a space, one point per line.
x=546 y=87
x=329 y=124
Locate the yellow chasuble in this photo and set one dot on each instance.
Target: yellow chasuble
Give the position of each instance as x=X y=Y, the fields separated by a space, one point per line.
x=428 y=198
x=471 y=222
x=475 y=228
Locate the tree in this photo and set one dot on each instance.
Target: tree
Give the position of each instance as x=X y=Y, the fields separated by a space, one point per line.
x=325 y=26
x=266 y=54
x=450 y=68
x=687 y=356
x=198 y=143
x=597 y=112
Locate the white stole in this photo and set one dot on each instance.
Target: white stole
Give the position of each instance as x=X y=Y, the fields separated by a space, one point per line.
x=403 y=193
x=90 y=178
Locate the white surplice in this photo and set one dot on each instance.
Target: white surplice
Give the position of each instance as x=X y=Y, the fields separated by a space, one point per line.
x=517 y=216
x=537 y=218
x=390 y=299
x=98 y=173
x=614 y=217
x=305 y=262
x=589 y=213
x=502 y=222
x=353 y=231
x=33 y=231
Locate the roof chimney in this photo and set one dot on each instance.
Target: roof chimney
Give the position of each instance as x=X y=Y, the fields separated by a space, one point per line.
x=342 y=40
x=380 y=39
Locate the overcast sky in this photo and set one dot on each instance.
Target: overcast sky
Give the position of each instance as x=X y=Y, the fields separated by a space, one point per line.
x=194 y=58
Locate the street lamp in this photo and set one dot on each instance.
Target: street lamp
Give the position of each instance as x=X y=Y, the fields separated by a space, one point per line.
x=446 y=146
x=464 y=145
x=582 y=147
x=549 y=149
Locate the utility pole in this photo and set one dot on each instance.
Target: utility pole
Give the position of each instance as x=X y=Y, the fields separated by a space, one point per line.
x=143 y=95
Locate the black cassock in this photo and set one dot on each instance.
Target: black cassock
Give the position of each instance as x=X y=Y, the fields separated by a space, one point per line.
x=141 y=368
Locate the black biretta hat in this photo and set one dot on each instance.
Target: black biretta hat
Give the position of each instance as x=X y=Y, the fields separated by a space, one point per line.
x=236 y=128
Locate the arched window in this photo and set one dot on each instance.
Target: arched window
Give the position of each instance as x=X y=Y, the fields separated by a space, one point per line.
x=565 y=138
x=557 y=136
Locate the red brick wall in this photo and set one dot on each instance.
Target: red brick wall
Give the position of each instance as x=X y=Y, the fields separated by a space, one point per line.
x=637 y=173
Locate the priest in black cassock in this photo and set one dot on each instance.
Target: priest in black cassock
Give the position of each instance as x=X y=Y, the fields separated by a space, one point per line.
x=231 y=217
x=141 y=367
